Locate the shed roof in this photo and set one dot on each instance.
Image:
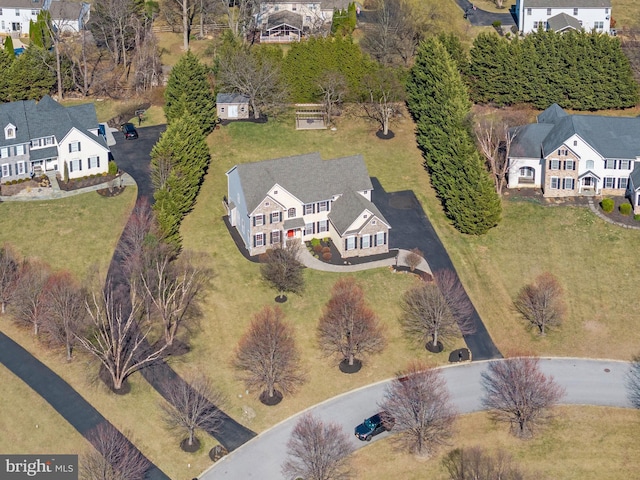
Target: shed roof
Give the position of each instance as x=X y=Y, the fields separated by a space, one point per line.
x=231 y=98
x=284 y=17
x=566 y=3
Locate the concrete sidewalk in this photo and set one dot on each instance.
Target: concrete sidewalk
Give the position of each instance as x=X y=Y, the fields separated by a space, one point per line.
x=310 y=261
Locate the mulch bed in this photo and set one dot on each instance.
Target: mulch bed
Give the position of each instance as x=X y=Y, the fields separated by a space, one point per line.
x=382 y=136
x=346 y=368
x=271 y=401
x=336 y=259
x=75 y=184
x=194 y=447
x=9 y=190
x=105 y=376
x=616 y=216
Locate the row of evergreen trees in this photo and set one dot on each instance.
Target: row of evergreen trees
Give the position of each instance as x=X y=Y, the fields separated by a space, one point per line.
x=439 y=102
x=27 y=76
x=577 y=70
x=180 y=158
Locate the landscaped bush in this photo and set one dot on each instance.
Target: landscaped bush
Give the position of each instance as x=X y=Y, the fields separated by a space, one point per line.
x=625 y=208
x=607 y=205
x=113 y=168
x=637 y=217
x=317 y=248
x=326 y=250
x=326 y=256
x=315 y=242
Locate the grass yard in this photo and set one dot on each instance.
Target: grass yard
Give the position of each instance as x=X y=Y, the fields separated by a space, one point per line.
x=74 y=233
x=582 y=443
x=626 y=13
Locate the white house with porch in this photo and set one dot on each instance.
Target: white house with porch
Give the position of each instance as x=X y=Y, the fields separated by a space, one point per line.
x=37 y=137
x=304 y=197
x=572 y=155
x=560 y=15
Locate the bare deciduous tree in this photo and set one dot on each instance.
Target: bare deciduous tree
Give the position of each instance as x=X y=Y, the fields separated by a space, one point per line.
x=474 y=463
x=240 y=15
x=494 y=141
x=29 y=304
x=633 y=382
x=517 y=392
x=9 y=274
x=193 y=404
x=383 y=96
x=282 y=268
x=420 y=405
x=116 y=339
x=268 y=357
x=114 y=457
x=66 y=312
x=317 y=451
x=413 y=258
x=348 y=328
x=173 y=288
x=333 y=86
x=541 y=303
x=437 y=311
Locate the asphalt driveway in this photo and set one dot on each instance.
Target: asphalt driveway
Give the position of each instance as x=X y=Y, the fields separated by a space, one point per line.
x=410 y=228
x=482 y=18
x=134 y=156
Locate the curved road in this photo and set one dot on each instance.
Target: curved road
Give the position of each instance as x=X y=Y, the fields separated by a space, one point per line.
x=587 y=382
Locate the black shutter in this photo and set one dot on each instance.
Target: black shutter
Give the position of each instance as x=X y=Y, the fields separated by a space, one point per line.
x=360 y=243
x=98 y=162
x=69 y=148
x=254 y=223
x=10 y=170
x=79 y=149
x=254 y=240
x=271 y=238
x=346 y=245
x=80 y=164
x=385 y=238
x=280 y=217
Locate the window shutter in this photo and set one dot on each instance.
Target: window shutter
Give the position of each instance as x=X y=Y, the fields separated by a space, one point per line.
x=10 y=170
x=69 y=148
x=254 y=240
x=79 y=164
x=385 y=238
x=79 y=149
x=98 y=162
x=346 y=242
x=254 y=222
x=280 y=217
x=271 y=238
x=314 y=208
x=360 y=243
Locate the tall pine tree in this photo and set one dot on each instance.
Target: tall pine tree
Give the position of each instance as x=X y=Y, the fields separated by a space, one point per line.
x=439 y=103
x=189 y=92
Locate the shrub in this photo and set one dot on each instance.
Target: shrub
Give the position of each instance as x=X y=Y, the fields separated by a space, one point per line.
x=497 y=24
x=625 y=208
x=315 y=241
x=607 y=205
x=326 y=256
x=326 y=250
x=317 y=248
x=113 y=167
x=637 y=217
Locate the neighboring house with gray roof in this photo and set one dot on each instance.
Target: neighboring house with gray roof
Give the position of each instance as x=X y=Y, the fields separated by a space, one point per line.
x=232 y=106
x=574 y=155
x=304 y=197
x=562 y=15
x=69 y=16
x=37 y=137
x=15 y=15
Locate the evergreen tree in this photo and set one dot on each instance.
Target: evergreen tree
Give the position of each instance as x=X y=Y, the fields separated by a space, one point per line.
x=179 y=161
x=188 y=92
x=439 y=103
x=10 y=53
x=29 y=77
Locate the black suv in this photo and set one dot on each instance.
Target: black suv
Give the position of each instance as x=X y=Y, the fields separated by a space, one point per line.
x=372 y=426
x=129 y=130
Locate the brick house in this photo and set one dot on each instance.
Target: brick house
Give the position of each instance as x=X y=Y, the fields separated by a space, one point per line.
x=576 y=155
x=304 y=197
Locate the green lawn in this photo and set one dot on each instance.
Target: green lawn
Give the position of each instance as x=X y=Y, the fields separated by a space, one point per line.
x=582 y=443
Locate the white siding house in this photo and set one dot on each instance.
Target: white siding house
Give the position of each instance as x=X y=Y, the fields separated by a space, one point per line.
x=16 y=14
x=312 y=16
x=44 y=136
x=561 y=14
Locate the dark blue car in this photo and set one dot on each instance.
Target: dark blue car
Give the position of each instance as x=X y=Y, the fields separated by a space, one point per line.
x=372 y=426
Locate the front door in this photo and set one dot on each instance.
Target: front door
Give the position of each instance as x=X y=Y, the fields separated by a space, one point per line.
x=16 y=26
x=233 y=111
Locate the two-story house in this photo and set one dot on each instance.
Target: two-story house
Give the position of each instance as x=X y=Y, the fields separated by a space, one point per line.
x=36 y=137
x=572 y=155
x=289 y=20
x=304 y=197
x=560 y=15
x=15 y=15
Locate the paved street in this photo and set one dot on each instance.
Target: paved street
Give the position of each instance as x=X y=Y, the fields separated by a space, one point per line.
x=587 y=382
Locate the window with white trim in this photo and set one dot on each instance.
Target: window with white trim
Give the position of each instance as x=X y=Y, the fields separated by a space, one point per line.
x=323 y=206
x=19 y=149
x=380 y=238
x=17 y=12
x=323 y=226
x=74 y=147
x=590 y=164
x=623 y=182
x=563 y=151
x=259 y=239
x=94 y=162
x=610 y=164
x=34 y=13
x=75 y=165
x=366 y=241
x=569 y=164
x=309 y=229
x=548 y=11
x=10 y=133
x=554 y=164
x=4 y=152
x=6 y=170
x=291 y=213
x=275 y=217
x=568 y=183
x=528 y=11
x=575 y=11
x=598 y=25
x=609 y=182
x=555 y=182
x=575 y=143
x=21 y=168
x=624 y=164
x=275 y=237
x=350 y=243
x=308 y=209
x=258 y=220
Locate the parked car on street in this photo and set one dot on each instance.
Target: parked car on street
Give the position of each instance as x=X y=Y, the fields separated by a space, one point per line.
x=129 y=130
x=373 y=426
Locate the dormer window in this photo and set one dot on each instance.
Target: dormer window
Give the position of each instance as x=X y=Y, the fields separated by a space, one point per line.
x=9 y=131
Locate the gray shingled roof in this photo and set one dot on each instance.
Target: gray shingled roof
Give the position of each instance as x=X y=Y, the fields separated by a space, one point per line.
x=43 y=153
x=566 y=3
x=562 y=21
x=552 y=114
x=47 y=117
x=284 y=17
x=61 y=10
x=346 y=209
x=21 y=4
x=231 y=98
x=635 y=176
x=527 y=142
x=307 y=177
x=324 y=4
